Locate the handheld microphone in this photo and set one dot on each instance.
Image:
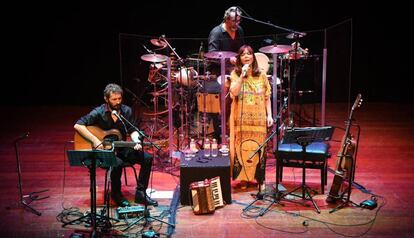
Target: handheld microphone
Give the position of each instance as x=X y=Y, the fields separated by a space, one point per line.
x=244 y=69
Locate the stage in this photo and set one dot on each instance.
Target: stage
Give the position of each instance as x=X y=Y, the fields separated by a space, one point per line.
x=384 y=167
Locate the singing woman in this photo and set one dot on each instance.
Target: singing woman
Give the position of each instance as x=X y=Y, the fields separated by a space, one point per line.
x=250 y=116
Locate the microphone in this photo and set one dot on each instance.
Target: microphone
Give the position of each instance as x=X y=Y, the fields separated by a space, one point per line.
x=201 y=51
x=122 y=119
x=244 y=69
x=114 y=112
x=22 y=136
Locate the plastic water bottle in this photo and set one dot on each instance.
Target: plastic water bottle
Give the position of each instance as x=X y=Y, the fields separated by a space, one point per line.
x=193 y=148
x=207 y=148
x=214 y=148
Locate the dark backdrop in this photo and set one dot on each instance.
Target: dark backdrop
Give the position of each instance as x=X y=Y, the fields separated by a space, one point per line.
x=64 y=53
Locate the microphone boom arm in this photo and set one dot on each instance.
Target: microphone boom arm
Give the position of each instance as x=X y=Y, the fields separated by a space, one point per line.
x=139 y=131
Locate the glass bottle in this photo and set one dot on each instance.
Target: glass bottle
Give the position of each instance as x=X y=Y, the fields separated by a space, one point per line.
x=207 y=148
x=214 y=148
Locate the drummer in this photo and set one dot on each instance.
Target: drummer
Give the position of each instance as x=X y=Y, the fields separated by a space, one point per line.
x=227 y=36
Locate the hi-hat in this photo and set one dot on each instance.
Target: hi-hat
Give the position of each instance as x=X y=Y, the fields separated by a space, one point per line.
x=275 y=49
x=155 y=58
x=159 y=43
x=219 y=54
x=295 y=35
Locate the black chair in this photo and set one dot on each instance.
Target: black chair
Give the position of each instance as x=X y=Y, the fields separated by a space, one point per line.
x=124 y=166
x=316 y=156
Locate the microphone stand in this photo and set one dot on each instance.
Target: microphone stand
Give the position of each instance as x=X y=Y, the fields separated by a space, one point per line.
x=296 y=35
x=273 y=25
x=33 y=196
x=275 y=194
x=146 y=216
x=142 y=134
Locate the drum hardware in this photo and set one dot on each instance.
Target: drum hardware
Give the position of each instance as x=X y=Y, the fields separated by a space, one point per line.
x=219 y=54
x=158 y=43
x=295 y=35
x=154 y=77
x=275 y=49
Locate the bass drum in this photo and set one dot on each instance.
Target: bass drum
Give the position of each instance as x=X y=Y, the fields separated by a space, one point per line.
x=185 y=76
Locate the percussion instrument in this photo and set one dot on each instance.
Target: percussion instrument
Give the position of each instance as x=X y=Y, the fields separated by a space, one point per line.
x=155 y=58
x=185 y=76
x=219 y=54
x=262 y=62
x=275 y=49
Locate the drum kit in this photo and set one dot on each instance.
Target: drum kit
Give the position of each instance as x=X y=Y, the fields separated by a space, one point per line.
x=188 y=83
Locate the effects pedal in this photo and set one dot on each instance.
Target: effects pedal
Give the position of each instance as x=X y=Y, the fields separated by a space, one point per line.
x=129 y=212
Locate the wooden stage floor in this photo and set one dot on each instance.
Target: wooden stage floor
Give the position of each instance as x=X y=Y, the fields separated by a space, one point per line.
x=385 y=165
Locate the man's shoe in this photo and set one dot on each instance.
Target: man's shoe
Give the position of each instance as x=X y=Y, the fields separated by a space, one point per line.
x=120 y=200
x=142 y=198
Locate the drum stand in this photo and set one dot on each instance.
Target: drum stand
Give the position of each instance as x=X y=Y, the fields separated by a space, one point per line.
x=155 y=131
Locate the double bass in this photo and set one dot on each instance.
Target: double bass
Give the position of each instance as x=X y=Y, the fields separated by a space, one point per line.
x=346 y=156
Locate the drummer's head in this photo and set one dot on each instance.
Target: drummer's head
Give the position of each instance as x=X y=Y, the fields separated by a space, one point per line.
x=232 y=18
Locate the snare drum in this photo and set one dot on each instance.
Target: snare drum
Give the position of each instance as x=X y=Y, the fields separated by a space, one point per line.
x=185 y=76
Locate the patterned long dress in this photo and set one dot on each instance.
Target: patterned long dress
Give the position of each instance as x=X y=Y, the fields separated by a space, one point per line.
x=248 y=128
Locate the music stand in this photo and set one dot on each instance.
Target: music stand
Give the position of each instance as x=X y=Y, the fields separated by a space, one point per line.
x=305 y=136
x=91 y=159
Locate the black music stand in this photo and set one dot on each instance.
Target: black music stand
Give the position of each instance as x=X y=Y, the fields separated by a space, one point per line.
x=305 y=136
x=91 y=159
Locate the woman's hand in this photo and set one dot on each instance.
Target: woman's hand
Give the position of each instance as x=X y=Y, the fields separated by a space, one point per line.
x=269 y=121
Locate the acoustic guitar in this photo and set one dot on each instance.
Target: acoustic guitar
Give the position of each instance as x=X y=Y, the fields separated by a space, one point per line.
x=109 y=137
x=345 y=155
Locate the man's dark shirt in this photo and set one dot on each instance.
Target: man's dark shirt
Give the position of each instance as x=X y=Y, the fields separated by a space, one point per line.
x=101 y=117
x=220 y=40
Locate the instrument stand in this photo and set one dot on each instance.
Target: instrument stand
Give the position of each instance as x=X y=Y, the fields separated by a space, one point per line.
x=89 y=158
x=346 y=195
x=25 y=200
x=275 y=195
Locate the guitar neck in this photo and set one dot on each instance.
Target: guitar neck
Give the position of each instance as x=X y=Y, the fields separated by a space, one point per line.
x=129 y=144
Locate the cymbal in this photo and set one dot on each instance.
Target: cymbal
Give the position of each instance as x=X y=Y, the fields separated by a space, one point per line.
x=158 y=42
x=219 y=54
x=275 y=49
x=295 y=35
x=154 y=58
